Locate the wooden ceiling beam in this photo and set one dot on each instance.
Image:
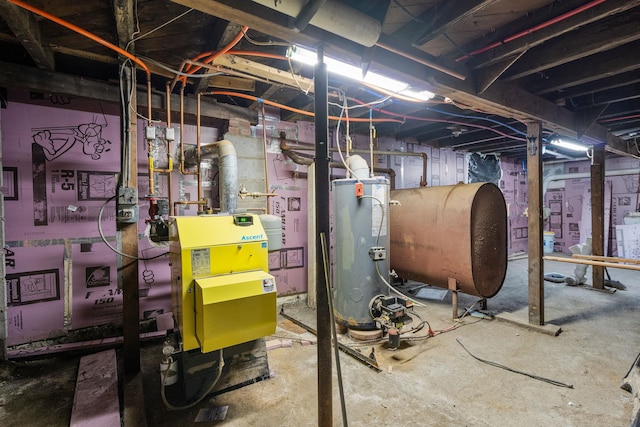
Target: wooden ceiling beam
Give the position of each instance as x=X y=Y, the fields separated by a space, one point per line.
x=619 y=109
x=616 y=61
x=259 y=18
x=438 y=20
x=124 y=15
x=588 y=117
x=229 y=32
x=486 y=76
x=610 y=96
x=536 y=38
x=25 y=27
x=12 y=75
x=586 y=41
x=423 y=131
x=262 y=71
x=613 y=82
x=500 y=98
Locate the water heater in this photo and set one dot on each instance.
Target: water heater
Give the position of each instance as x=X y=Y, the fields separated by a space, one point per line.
x=360 y=248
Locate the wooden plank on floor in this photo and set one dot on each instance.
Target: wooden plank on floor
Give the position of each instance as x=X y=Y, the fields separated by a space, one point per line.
x=522 y=320
x=96 y=401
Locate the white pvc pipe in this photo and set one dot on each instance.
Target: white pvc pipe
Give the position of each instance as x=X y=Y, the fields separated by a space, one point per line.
x=357 y=167
x=617 y=172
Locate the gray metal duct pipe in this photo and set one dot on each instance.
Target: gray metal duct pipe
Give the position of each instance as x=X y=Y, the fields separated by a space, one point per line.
x=300 y=160
x=333 y=17
x=307 y=13
x=425 y=158
x=228 y=176
x=228 y=170
x=618 y=172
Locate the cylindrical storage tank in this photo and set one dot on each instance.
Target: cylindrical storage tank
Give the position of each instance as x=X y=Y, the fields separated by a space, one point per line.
x=457 y=231
x=359 y=224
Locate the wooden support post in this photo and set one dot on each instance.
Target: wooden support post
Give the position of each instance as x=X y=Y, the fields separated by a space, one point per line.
x=534 y=188
x=453 y=287
x=127 y=233
x=597 y=212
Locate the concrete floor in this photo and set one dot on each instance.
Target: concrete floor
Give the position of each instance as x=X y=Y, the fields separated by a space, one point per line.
x=429 y=382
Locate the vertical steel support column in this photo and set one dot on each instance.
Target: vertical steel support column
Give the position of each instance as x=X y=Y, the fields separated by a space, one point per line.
x=321 y=84
x=534 y=189
x=597 y=213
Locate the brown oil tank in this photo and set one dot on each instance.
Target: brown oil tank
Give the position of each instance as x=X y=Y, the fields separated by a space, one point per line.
x=454 y=231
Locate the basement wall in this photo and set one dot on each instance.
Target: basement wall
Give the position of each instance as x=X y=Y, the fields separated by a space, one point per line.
x=569 y=202
x=60 y=160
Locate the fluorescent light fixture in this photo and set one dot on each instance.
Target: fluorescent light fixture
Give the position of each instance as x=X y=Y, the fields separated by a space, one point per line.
x=568 y=144
x=388 y=84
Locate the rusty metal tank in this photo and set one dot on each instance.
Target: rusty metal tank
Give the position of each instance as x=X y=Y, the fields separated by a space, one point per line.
x=457 y=231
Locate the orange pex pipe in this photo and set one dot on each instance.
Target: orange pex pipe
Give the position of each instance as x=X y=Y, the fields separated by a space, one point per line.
x=237 y=38
x=81 y=31
x=296 y=110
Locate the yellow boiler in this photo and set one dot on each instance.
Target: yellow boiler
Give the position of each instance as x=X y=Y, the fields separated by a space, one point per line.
x=222 y=293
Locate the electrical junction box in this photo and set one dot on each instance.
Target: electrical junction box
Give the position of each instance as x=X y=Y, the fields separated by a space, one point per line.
x=378 y=253
x=170 y=134
x=222 y=294
x=151 y=132
x=127 y=206
x=127 y=214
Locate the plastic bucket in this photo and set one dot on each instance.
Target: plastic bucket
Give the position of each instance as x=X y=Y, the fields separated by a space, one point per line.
x=549 y=239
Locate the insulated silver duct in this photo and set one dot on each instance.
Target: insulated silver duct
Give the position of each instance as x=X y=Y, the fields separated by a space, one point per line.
x=227 y=167
x=228 y=175
x=335 y=18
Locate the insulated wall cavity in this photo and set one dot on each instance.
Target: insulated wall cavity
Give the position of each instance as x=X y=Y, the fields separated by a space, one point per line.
x=360 y=224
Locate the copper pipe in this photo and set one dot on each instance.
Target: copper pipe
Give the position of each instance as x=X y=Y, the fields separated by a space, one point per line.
x=152 y=183
x=182 y=169
x=266 y=162
x=422 y=61
x=200 y=203
x=198 y=156
x=425 y=158
x=177 y=76
x=149 y=147
x=190 y=202
x=300 y=160
x=169 y=158
x=169 y=184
